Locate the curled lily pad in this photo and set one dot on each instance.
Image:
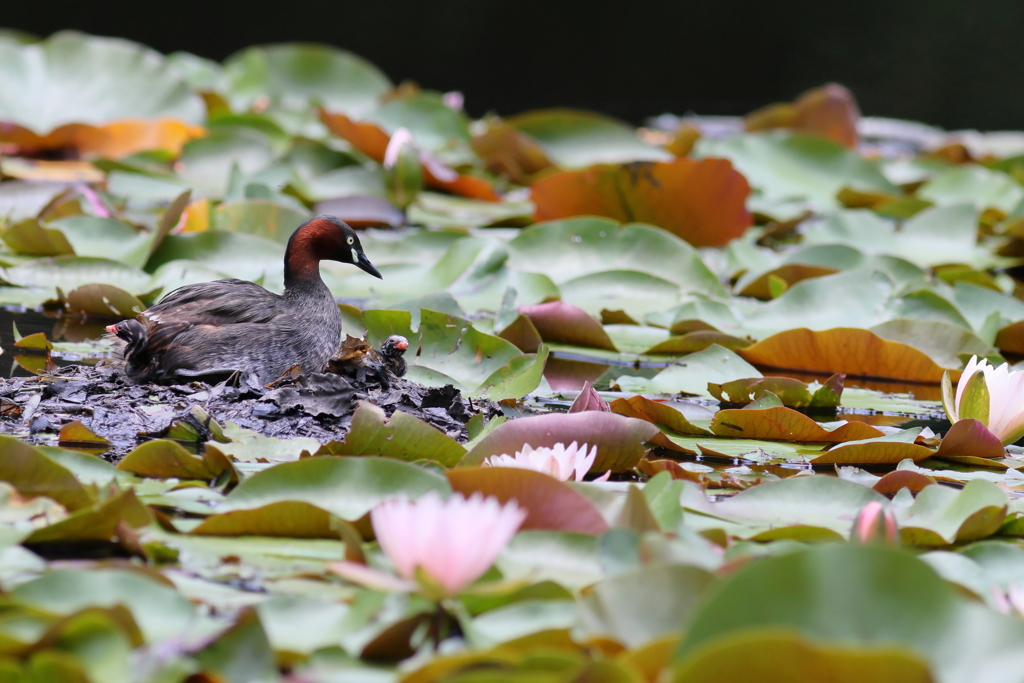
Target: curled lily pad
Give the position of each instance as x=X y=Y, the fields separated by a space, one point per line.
x=658 y=414
x=792 y=392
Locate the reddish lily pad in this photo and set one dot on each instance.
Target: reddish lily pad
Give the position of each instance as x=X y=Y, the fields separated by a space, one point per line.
x=561 y=322
x=891 y=483
x=970 y=439
x=550 y=504
x=523 y=334
x=703 y=202
x=619 y=440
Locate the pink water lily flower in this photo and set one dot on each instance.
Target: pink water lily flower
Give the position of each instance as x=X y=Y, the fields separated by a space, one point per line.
x=451 y=542
x=1006 y=398
x=561 y=462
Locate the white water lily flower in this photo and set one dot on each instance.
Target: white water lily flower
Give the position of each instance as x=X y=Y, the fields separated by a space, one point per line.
x=561 y=462
x=449 y=543
x=1006 y=399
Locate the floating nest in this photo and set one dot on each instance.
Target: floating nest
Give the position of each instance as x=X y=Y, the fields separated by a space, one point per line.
x=319 y=406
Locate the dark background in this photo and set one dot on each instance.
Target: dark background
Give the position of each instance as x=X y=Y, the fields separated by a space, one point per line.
x=954 y=63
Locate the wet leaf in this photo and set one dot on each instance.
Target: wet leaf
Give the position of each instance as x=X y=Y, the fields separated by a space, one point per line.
x=702 y=202
x=656 y=413
x=889 y=449
x=619 y=440
x=550 y=504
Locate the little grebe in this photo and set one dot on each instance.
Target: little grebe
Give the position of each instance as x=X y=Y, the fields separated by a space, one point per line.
x=216 y=328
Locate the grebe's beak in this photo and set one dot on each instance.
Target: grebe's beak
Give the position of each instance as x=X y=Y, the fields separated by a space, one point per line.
x=364 y=264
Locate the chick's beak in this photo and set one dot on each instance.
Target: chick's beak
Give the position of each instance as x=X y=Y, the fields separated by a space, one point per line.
x=364 y=264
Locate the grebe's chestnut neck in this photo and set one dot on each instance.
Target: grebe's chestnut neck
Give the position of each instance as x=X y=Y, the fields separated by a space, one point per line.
x=318 y=239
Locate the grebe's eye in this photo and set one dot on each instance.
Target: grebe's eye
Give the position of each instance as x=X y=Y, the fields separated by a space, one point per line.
x=351 y=240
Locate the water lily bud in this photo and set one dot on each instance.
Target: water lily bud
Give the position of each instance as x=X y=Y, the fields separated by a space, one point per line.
x=403 y=174
x=875 y=524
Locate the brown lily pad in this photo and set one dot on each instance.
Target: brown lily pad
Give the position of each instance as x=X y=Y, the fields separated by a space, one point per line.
x=856 y=352
x=703 y=202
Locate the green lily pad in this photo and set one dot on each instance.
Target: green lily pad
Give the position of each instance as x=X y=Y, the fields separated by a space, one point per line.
x=792 y=165
x=348 y=487
x=575 y=139
x=75 y=78
x=292 y=75
x=572 y=248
